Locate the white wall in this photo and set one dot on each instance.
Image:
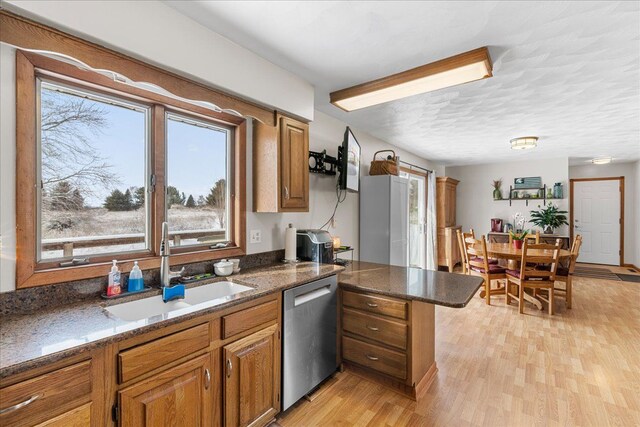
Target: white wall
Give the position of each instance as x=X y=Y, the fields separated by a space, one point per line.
x=631 y=199
x=475 y=205
x=325 y=133
x=160 y=35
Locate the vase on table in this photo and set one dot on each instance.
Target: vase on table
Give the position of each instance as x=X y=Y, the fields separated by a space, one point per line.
x=517 y=244
x=548 y=230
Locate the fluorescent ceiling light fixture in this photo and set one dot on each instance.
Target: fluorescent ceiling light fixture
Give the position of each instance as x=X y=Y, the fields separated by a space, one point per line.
x=463 y=68
x=524 y=143
x=601 y=161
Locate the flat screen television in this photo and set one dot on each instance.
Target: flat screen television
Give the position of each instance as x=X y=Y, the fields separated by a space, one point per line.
x=349 y=162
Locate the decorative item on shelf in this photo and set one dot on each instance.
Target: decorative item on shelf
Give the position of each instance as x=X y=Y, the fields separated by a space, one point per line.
x=497 y=191
x=549 y=218
x=549 y=193
x=557 y=190
x=508 y=228
x=527 y=182
x=518 y=238
x=541 y=193
x=514 y=194
x=336 y=242
x=496 y=225
x=388 y=166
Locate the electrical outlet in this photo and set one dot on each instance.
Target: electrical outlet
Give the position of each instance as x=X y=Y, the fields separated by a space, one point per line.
x=256 y=236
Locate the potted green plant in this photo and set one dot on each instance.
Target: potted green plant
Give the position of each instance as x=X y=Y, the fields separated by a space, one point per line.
x=549 y=218
x=497 y=192
x=518 y=238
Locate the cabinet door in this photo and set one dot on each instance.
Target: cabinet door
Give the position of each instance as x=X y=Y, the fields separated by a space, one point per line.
x=294 y=165
x=180 y=396
x=252 y=379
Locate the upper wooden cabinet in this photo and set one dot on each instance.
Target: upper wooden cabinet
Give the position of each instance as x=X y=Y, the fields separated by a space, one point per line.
x=281 y=166
x=446 y=201
x=252 y=379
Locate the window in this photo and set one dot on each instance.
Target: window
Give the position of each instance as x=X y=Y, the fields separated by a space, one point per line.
x=93 y=168
x=197 y=175
x=102 y=164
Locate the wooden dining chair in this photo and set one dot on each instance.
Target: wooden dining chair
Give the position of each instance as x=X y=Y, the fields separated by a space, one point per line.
x=463 y=253
x=564 y=274
x=479 y=265
x=536 y=279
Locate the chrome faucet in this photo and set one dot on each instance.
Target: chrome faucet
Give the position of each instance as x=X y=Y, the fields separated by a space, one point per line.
x=168 y=292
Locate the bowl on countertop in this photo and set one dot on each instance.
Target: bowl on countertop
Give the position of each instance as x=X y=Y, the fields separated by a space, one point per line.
x=223 y=268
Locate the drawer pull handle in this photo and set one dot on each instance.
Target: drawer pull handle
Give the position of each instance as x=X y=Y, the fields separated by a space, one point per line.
x=372 y=328
x=229 y=368
x=371 y=304
x=372 y=358
x=207 y=379
x=20 y=405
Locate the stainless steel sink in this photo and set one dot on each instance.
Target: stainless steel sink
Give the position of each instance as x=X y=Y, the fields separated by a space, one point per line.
x=197 y=298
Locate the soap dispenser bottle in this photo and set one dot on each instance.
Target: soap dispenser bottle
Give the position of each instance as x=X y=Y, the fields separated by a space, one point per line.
x=136 y=283
x=113 y=288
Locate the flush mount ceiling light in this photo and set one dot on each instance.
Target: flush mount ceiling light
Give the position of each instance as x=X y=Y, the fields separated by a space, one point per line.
x=524 y=143
x=601 y=161
x=463 y=68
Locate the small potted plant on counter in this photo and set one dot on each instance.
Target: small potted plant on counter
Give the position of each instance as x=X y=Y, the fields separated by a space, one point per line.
x=549 y=218
x=497 y=192
x=518 y=238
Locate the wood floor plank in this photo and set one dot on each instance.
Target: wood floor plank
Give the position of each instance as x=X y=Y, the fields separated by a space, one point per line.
x=500 y=368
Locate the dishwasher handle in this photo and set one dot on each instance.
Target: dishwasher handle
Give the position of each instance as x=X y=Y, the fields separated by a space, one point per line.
x=312 y=295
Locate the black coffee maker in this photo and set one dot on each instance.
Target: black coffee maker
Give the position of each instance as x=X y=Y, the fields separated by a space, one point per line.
x=314 y=245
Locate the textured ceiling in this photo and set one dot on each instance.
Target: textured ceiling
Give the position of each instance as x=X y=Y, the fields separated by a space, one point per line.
x=568 y=72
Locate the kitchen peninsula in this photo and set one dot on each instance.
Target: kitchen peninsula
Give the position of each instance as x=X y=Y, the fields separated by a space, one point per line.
x=388 y=321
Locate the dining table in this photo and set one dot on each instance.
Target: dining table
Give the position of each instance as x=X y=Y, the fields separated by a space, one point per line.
x=506 y=251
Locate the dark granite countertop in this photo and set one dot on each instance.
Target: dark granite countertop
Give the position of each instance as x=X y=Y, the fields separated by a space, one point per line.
x=46 y=336
x=435 y=287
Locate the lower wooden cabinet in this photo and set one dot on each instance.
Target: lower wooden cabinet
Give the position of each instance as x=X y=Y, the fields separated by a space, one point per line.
x=79 y=417
x=180 y=396
x=252 y=378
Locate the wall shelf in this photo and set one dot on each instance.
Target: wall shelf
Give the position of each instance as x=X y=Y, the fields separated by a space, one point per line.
x=527 y=199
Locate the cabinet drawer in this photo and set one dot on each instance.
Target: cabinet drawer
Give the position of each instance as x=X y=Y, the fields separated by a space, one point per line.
x=147 y=357
x=244 y=320
x=375 y=328
x=375 y=304
x=388 y=362
x=49 y=395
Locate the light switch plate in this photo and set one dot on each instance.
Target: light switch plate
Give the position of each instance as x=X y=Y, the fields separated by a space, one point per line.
x=255 y=236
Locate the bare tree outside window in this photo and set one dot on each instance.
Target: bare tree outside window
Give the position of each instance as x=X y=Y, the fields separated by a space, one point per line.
x=92 y=169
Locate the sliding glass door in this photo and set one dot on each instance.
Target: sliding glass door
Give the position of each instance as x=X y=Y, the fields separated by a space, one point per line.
x=417 y=219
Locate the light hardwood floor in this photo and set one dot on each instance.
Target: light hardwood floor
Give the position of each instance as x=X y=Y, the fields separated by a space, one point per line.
x=499 y=368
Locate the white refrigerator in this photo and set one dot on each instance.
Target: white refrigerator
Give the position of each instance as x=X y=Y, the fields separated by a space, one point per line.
x=384 y=219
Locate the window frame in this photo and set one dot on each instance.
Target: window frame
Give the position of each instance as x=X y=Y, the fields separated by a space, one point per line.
x=30 y=272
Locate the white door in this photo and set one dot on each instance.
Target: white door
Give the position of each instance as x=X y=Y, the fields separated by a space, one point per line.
x=596 y=216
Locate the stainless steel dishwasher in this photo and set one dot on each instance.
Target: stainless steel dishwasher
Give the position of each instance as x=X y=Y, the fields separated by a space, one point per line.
x=309 y=338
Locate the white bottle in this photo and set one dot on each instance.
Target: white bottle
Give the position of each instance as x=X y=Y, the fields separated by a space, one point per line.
x=114 y=280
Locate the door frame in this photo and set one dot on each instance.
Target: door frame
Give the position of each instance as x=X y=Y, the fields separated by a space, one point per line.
x=621 y=188
x=426 y=200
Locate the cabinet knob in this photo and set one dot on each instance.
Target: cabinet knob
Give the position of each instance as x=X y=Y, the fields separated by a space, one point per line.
x=372 y=328
x=370 y=304
x=286 y=192
x=207 y=379
x=372 y=358
x=229 y=368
